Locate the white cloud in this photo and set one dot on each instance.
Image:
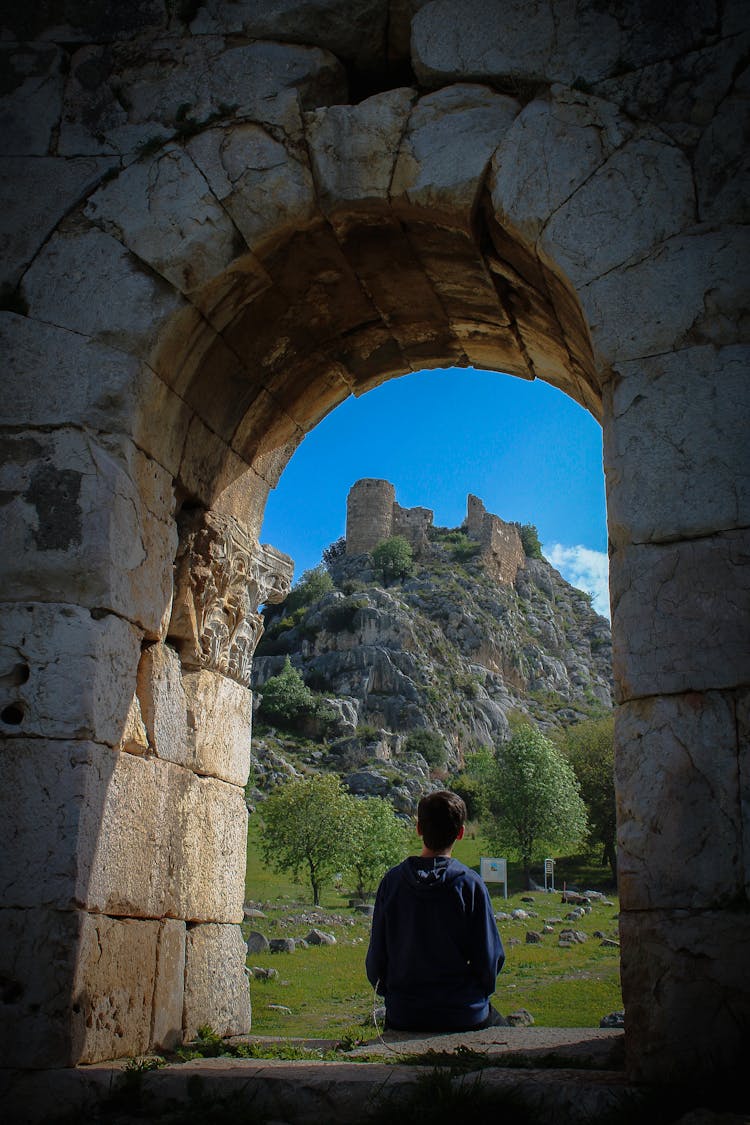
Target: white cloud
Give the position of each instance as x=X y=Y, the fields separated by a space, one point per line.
x=584 y=568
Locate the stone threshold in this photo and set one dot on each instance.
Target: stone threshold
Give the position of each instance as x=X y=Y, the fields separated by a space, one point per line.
x=565 y=1076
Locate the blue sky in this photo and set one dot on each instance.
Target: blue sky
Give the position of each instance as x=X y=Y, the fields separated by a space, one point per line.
x=527 y=450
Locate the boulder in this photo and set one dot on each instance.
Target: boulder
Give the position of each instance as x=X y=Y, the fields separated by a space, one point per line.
x=282 y=945
x=257 y=942
x=319 y=937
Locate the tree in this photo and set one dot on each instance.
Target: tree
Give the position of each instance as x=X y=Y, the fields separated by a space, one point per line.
x=533 y=799
x=393 y=558
x=333 y=552
x=590 y=749
x=311 y=586
x=308 y=826
x=429 y=744
x=286 y=698
x=379 y=842
x=532 y=548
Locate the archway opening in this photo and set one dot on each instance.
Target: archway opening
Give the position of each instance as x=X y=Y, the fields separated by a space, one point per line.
x=438 y=436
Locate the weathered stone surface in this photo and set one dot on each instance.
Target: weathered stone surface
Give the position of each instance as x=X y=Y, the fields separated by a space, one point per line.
x=549 y=152
x=679 y=751
x=722 y=166
x=165 y=212
x=79 y=987
x=668 y=423
x=353 y=149
x=71 y=283
x=134 y=736
x=679 y=616
x=668 y=954
x=193 y=829
x=216 y=991
x=691 y=285
x=351 y=29
x=54 y=791
x=104 y=21
x=219 y=721
x=449 y=140
x=123 y=101
x=31 y=101
x=94 y=384
x=472 y=40
x=257 y=942
x=162 y=701
x=36 y=193
x=116 y=971
x=169 y=986
x=259 y=182
x=640 y=196
x=88 y=521
x=66 y=674
x=200 y=719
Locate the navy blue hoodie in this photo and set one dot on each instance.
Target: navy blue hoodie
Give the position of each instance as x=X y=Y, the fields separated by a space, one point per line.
x=434 y=949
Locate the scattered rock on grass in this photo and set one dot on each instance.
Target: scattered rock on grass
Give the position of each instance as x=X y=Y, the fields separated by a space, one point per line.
x=319 y=937
x=257 y=942
x=521 y=1018
x=614 y=1019
x=532 y=937
x=281 y=945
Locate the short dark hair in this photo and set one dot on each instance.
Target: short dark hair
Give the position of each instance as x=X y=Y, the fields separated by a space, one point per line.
x=440 y=816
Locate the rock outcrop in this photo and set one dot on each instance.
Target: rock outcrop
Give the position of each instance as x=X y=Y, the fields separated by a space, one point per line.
x=456 y=648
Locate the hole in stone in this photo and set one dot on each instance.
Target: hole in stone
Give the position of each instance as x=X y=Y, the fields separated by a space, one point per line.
x=12 y=715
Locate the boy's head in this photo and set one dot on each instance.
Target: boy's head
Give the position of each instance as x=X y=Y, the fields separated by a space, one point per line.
x=440 y=818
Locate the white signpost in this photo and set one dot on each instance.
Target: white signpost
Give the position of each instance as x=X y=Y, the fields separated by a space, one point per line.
x=549 y=874
x=494 y=871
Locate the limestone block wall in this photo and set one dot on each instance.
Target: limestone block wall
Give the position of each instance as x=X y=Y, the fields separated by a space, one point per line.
x=217 y=223
x=502 y=552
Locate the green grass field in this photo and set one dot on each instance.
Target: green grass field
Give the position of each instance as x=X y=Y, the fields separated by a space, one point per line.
x=326 y=989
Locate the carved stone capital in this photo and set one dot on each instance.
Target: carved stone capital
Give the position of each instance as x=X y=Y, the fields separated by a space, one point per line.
x=222 y=576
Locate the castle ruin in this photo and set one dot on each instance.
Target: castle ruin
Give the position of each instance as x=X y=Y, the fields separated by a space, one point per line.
x=373 y=514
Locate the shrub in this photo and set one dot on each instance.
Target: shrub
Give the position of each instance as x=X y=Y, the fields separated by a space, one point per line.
x=429 y=744
x=312 y=585
x=334 y=552
x=532 y=548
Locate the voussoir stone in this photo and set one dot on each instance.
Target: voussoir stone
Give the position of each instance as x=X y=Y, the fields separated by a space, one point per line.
x=550 y=150
x=353 y=148
x=165 y=212
x=216 y=990
x=668 y=423
x=262 y=186
x=679 y=748
x=71 y=280
x=36 y=193
x=449 y=140
x=641 y=195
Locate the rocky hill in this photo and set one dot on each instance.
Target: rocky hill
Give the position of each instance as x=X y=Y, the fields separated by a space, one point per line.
x=455 y=649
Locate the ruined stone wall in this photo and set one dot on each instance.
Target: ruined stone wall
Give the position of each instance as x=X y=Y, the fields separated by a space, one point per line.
x=414 y=525
x=502 y=553
x=373 y=515
x=220 y=220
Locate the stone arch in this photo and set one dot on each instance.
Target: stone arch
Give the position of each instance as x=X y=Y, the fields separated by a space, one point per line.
x=214 y=278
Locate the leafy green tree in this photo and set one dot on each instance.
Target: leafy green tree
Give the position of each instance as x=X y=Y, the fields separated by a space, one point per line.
x=532 y=548
x=379 y=842
x=311 y=586
x=287 y=701
x=393 y=558
x=590 y=749
x=308 y=827
x=333 y=552
x=429 y=744
x=533 y=799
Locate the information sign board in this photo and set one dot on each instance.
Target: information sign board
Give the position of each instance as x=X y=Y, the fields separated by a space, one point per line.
x=494 y=871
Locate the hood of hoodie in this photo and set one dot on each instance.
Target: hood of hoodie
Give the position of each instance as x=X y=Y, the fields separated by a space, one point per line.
x=429 y=873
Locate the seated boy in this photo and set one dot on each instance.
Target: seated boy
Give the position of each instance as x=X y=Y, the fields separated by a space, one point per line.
x=434 y=950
